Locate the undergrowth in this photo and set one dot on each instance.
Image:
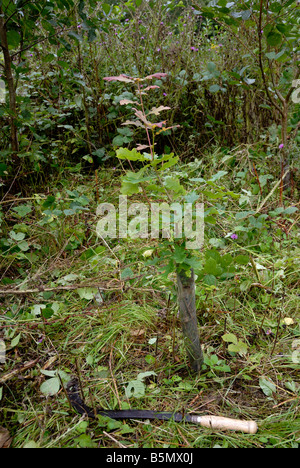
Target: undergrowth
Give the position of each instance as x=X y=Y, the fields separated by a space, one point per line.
x=99 y=310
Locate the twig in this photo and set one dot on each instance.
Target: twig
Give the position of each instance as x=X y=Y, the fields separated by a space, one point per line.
x=278 y=324
x=115 y=440
x=254 y=268
x=64 y=390
x=113 y=379
x=70 y=287
x=7 y=292
x=286 y=401
x=17 y=371
x=79 y=379
x=271 y=100
x=185 y=440
x=271 y=193
x=257 y=177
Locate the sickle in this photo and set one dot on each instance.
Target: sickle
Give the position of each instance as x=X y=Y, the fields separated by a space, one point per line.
x=213 y=422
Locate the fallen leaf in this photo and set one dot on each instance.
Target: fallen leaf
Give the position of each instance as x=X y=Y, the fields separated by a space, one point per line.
x=148 y=253
x=5 y=439
x=137 y=332
x=288 y=321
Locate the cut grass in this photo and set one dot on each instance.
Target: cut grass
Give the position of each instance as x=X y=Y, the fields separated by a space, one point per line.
x=135 y=329
x=108 y=347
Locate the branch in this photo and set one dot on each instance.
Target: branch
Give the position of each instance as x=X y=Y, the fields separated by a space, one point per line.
x=274 y=103
x=16 y=11
x=9 y=375
x=70 y=287
x=39 y=41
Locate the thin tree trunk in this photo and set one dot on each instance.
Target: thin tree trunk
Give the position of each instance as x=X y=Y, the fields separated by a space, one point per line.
x=187 y=313
x=10 y=85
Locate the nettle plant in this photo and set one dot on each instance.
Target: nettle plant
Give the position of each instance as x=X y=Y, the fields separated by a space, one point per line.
x=154 y=179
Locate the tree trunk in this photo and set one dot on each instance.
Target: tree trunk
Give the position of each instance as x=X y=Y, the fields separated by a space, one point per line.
x=187 y=313
x=11 y=86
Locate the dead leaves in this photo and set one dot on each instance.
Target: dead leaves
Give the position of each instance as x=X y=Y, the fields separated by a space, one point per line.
x=124 y=78
x=157 y=110
x=5 y=438
x=129 y=79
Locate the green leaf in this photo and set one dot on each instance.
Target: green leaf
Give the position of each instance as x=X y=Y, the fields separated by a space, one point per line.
x=240 y=347
x=210 y=280
x=16 y=236
x=267 y=386
x=128 y=188
x=143 y=375
x=191 y=197
x=87 y=158
x=47 y=312
x=50 y=387
x=15 y=341
x=24 y=246
x=210 y=219
x=127 y=273
x=48 y=373
x=135 y=388
x=87 y=293
x=131 y=155
x=171 y=162
x=226 y=260
x=173 y=183
x=284 y=28
x=212 y=268
x=242 y=259
x=23 y=210
x=74 y=35
x=131 y=181
x=36 y=309
x=13 y=39
x=218 y=175
x=274 y=38
x=3 y=167
x=211 y=66
x=214 y=88
x=275 y=7
x=92 y=35
x=246 y=14
x=85 y=441
x=50 y=202
x=119 y=140
x=290 y=210
x=271 y=55
x=106 y=8
x=180 y=254
x=194 y=263
x=230 y=338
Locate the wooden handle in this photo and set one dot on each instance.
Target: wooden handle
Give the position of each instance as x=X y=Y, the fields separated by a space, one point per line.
x=224 y=424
